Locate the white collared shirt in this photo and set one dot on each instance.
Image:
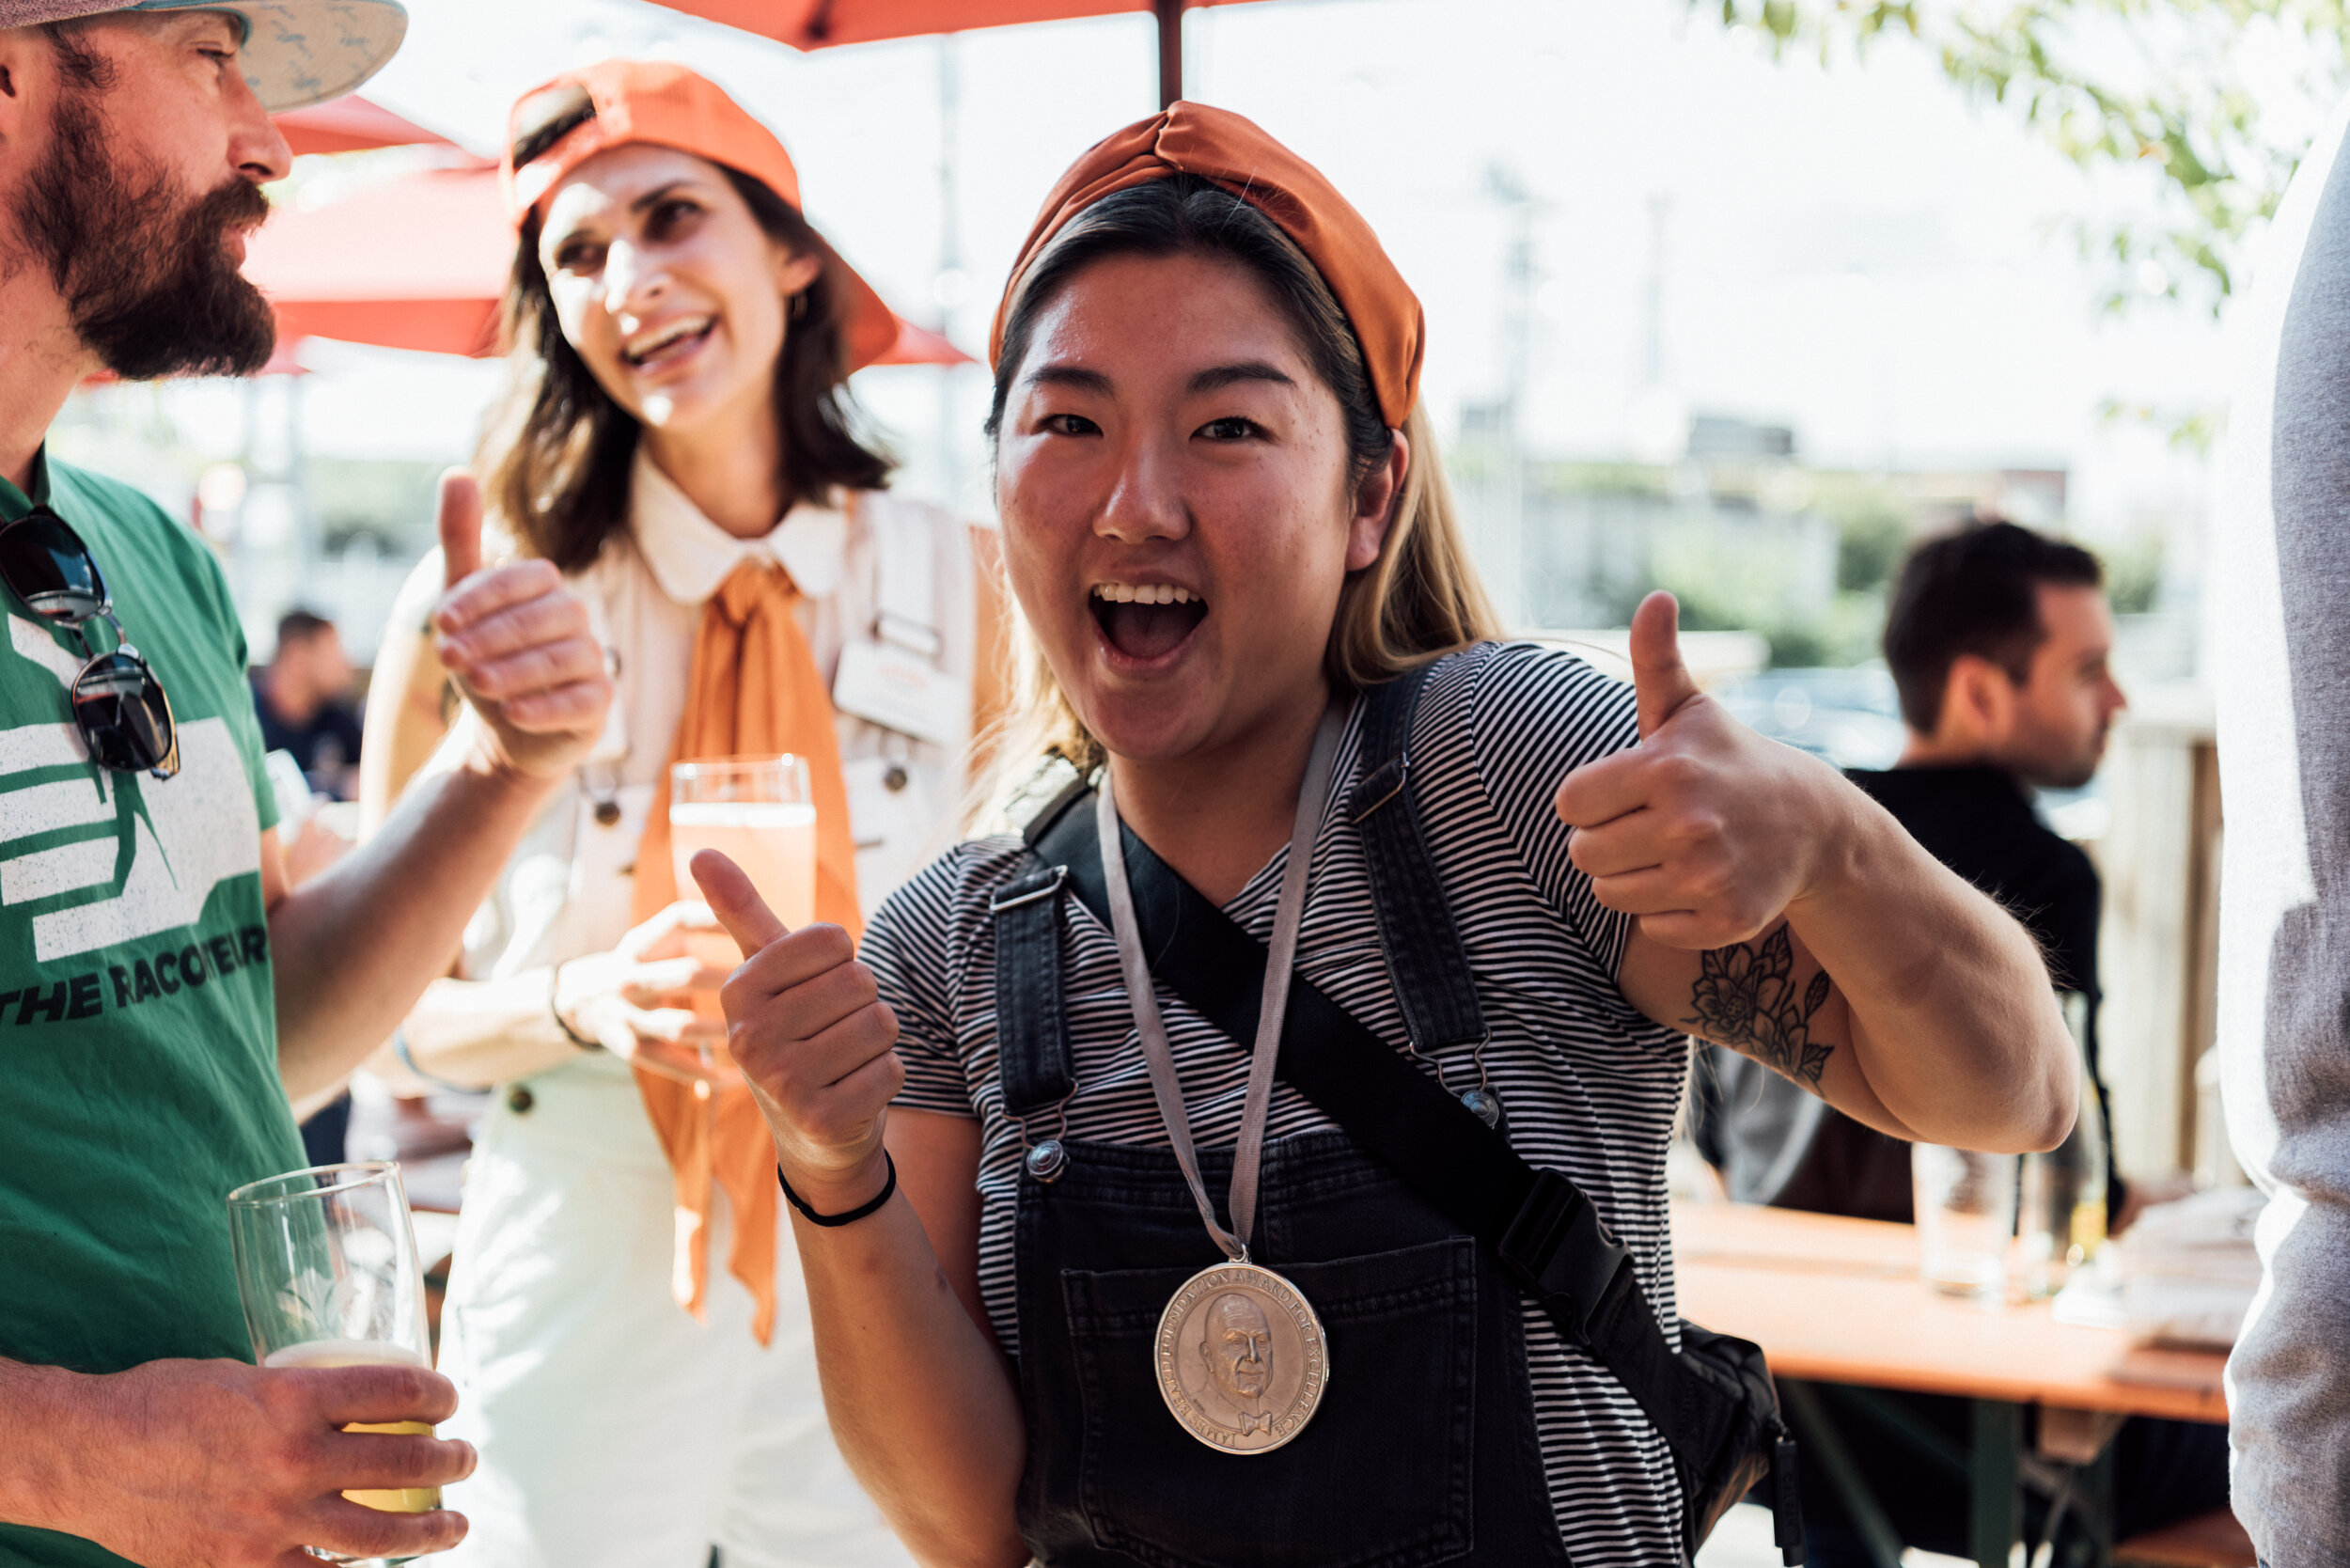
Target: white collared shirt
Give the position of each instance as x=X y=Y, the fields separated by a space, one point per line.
x=567 y=891
x=690 y=555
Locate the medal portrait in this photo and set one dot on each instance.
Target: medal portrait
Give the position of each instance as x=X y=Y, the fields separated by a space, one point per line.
x=1240 y=1359
x=1235 y=1346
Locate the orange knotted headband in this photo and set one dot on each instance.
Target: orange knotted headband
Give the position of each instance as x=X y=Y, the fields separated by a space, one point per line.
x=1220 y=145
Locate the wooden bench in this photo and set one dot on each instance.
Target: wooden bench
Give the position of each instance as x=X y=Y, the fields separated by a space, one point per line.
x=2212 y=1540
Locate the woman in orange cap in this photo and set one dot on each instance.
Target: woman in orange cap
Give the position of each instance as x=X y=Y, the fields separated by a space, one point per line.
x=1262 y=1158
x=624 y=1312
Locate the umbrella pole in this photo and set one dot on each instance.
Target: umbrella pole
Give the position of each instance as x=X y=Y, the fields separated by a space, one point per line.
x=1171 y=14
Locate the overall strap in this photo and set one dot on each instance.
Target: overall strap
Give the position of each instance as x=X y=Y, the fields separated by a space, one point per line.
x=1426 y=963
x=1031 y=1024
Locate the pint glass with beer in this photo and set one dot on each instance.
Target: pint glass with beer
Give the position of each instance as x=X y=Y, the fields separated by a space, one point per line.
x=328 y=1273
x=757 y=812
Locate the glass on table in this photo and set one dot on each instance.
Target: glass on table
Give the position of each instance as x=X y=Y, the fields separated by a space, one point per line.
x=328 y=1275
x=1966 y=1211
x=2062 y=1217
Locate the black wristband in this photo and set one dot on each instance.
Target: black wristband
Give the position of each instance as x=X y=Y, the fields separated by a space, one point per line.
x=854 y=1215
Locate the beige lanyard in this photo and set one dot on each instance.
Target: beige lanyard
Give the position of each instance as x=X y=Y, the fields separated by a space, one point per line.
x=1312 y=796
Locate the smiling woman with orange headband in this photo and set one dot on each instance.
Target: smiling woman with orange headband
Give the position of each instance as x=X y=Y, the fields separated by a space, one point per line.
x=625 y=1312
x=1098 y=1274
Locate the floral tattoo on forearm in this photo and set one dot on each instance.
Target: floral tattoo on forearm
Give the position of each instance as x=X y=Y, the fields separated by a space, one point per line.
x=1745 y=998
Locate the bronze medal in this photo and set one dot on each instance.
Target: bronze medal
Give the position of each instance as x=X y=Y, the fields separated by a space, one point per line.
x=1240 y=1358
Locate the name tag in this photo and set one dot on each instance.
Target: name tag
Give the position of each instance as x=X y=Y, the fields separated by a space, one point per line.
x=890 y=686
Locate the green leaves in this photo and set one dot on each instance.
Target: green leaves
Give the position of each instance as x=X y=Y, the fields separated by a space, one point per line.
x=2191 y=115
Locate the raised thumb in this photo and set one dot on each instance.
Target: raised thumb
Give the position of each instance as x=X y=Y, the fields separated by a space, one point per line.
x=736 y=903
x=460 y=525
x=1660 y=681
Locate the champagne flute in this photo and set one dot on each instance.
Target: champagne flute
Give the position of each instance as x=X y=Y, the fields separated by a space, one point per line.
x=328 y=1273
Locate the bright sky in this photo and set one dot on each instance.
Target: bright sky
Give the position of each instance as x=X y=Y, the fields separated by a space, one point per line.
x=1855 y=251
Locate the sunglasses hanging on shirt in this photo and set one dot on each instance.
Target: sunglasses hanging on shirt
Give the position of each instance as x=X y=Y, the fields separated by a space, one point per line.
x=118 y=705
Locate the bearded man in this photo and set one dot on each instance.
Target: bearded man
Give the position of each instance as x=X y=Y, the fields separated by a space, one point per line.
x=162 y=990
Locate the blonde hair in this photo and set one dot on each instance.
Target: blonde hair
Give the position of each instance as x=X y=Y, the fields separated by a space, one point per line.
x=1419 y=601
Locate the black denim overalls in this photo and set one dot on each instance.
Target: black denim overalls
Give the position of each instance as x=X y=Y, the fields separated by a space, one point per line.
x=1424 y=1448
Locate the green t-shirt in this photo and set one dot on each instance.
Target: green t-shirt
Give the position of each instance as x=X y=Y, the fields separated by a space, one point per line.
x=138 y=1031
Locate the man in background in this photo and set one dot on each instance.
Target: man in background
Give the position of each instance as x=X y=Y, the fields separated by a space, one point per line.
x=2000 y=641
x=162 y=987
x=302 y=698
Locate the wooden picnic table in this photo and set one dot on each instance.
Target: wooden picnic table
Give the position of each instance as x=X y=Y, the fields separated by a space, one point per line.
x=1835 y=1300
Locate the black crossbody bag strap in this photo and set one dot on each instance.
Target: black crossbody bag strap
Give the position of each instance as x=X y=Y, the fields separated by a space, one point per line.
x=1718 y=1413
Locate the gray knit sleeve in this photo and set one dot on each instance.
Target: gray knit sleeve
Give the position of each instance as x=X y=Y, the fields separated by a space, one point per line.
x=2281 y=671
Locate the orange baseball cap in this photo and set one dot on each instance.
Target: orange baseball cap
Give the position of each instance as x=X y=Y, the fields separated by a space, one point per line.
x=1238 y=155
x=667 y=106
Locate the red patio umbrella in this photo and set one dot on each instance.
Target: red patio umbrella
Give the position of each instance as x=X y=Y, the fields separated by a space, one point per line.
x=419 y=262
x=352 y=125
x=821 y=23
x=416 y=262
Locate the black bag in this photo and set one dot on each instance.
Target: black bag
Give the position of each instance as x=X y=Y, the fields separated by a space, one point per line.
x=1712 y=1401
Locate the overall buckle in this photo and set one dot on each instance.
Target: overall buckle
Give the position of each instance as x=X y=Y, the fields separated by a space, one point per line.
x=1557 y=1248
x=1031 y=889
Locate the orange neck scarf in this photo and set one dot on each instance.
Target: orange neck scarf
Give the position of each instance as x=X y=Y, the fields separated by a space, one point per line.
x=753 y=690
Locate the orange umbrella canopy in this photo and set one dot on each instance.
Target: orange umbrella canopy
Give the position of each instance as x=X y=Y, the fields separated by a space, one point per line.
x=419 y=262
x=416 y=262
x=819 y=24
x=352 y=125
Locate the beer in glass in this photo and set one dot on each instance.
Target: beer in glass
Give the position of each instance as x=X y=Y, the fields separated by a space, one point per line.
x=328 y=1275
x=757 y=812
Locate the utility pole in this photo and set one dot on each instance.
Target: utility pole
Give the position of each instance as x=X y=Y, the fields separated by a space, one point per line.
x=1656 y=425
x=1660 y=206
x=1505 y=524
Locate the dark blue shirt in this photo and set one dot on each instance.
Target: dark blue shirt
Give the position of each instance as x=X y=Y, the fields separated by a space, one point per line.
x=325 y=746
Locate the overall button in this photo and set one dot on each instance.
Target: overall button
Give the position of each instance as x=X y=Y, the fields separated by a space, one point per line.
x=1484 y=1103
x=1047 y=1160
x=519 y=1100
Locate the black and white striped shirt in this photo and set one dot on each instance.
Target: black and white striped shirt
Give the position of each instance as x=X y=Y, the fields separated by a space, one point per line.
x=1591 y=1084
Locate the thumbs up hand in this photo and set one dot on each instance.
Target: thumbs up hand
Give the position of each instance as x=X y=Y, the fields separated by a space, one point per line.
x=1704 y=830
x=1661 y=684
x=518 y=646
x=806 y=1025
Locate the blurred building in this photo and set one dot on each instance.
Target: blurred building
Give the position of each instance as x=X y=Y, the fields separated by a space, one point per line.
x=1751 y=538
